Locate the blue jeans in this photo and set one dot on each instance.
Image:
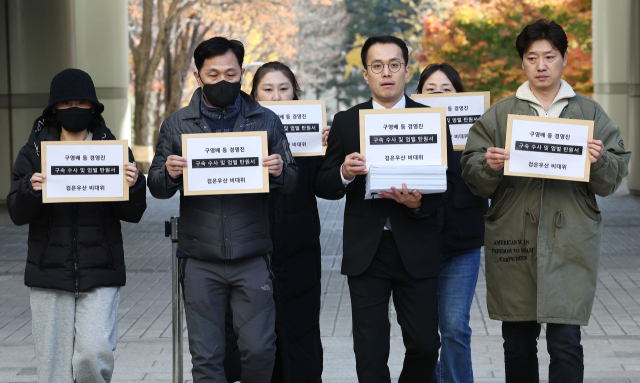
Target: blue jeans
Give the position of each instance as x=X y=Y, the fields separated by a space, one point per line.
x=456 y=286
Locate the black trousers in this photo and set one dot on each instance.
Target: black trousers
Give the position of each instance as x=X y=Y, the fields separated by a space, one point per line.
x=521 y=352
x=416 y=302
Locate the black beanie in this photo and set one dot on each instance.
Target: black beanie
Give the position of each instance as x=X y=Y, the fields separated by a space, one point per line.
x=72 y=85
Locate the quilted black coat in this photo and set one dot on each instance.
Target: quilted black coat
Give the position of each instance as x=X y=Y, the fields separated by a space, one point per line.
x=72 y=246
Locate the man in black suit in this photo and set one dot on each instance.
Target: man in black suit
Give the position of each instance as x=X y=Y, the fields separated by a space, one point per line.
x=391 y=245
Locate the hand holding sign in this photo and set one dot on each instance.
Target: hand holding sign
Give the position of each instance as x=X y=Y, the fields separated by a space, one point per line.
x=354 y=164
x=131 y=171
x=275 y=164
x=175 y=166
x=325 y=135
x=596 y=150
x=36 y=181
x=495 y=158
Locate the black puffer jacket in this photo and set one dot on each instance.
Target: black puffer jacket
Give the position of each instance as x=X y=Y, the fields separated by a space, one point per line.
x=295 y=230
x=72 y=246
x=463 y=215
x=219 y=227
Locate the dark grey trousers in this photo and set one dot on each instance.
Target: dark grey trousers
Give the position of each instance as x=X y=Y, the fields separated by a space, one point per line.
x=246 y=285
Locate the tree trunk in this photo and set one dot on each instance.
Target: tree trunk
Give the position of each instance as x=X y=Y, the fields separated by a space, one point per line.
x=140 y=117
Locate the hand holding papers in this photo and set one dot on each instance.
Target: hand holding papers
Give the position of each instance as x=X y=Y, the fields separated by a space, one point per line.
x=425 y=179
x=225 y=163
x=542 y=147
x=403 y=146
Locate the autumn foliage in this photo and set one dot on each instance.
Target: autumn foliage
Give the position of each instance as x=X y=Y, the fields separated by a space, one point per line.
x=478 y=38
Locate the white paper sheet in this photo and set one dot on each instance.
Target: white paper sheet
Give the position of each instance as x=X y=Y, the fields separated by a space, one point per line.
x=462 y=112
x=548 y=148
x=224 y=163
x=84 y=171
x=403 y=139
x=426 y=179
x=303 y=124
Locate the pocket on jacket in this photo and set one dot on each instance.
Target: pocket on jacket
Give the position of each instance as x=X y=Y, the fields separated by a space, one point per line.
x=497 y=210
x=588 y=207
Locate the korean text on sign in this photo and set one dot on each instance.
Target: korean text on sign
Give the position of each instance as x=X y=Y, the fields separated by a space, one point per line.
x=416 y=136
x=223 y=163
x=303 y=122
x=85 y=171
x=548 y=147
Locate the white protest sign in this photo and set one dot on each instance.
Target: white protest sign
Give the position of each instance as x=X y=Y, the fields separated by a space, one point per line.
x=544 y=147
x=84 y=171
x=225 y=163
x=413 y=136
x=463 y=109
x=303 y=122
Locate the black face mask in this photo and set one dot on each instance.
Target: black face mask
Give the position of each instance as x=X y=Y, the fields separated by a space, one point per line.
x=222 y=93
x=74 y=120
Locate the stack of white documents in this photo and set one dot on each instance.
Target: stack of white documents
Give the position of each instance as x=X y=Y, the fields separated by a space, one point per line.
x=426 y=179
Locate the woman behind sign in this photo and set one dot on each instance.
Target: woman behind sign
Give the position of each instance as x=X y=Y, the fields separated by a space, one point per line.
x=75 y=262
x=463 y=236
x=295 y=232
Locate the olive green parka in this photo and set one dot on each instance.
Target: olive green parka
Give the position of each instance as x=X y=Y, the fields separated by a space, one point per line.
x=542 y=239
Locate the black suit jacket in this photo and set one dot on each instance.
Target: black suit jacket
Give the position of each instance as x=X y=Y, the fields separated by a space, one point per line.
x=417 y=234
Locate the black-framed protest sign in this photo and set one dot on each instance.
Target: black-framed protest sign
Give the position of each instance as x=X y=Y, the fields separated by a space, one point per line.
x=225 y=163
x=463 y=110
x=84 y=171
x=412 y=136
x=303 y=121
x=544 y=147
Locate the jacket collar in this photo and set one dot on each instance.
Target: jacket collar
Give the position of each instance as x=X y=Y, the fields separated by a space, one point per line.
x=572 y=111
x=248 y=108
x=565 y=92
x=409 y=103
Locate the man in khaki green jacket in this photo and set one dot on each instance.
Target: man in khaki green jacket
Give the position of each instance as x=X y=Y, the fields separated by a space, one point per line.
x=542 y=240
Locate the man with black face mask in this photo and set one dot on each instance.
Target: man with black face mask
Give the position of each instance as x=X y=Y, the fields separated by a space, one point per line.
x=224 y=241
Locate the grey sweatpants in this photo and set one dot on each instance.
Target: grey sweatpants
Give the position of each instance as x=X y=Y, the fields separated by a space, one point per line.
x=209 y=287
x=75 y=337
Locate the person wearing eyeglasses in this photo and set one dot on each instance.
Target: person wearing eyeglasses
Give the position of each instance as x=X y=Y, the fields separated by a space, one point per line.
x=391 y=245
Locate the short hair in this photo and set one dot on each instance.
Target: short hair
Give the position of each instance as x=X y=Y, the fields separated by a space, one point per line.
x=445 y=68
x=542 y=30
x=383 y=40
x=217 y=46
x=275 y=66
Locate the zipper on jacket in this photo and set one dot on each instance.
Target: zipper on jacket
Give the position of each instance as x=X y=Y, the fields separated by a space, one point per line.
x=75 y=247
x=225 y=233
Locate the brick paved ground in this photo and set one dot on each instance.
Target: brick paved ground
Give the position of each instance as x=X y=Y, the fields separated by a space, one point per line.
x=612 y=339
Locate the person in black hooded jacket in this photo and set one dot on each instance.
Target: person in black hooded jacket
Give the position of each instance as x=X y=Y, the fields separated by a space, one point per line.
x=295 y=232
x=75 y=262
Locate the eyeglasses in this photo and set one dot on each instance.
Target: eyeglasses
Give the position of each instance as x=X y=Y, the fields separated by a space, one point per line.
x=394 y=66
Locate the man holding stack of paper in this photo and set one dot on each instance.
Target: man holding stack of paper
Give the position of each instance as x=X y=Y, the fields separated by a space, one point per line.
x=391 y=244
x=543 y=230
